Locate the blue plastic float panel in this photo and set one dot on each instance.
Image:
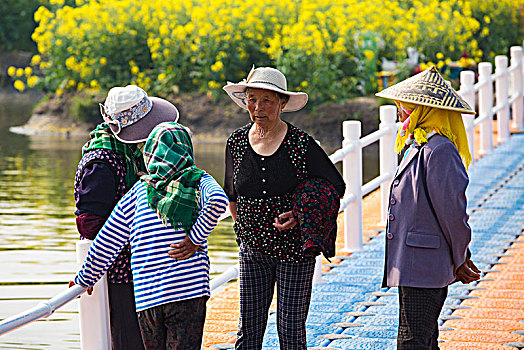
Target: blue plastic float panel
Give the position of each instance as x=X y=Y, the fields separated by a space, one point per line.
x=374 y=280
x=329 y=318
x=341 y=288
x=379 y=320
x=337 y=298
x=364 y=343
x=387 y=310
x=335 y=307
x=386 y=332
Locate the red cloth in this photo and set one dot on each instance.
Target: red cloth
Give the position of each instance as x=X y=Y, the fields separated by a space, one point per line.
x=315 y=205
x=89 y=224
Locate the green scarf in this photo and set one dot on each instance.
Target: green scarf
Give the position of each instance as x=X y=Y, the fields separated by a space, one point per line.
x=103 y=138
x=173 y=178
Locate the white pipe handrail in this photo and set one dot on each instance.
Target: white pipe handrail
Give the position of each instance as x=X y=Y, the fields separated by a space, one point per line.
x=340 y=154
x=513 y=67
x=482 y=118
x=481 y=84
x=374 y=136
x=344 y=202
x=42 y=310
x=226 y=276
x=498 y=108
x=375 y=183
x=497 y=75
x=505 y=79
x=514 y=98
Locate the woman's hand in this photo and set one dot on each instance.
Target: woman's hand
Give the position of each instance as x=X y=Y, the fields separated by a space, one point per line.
x=285 y=221
x=183 y=250
x=467 y=272
x=89 y=290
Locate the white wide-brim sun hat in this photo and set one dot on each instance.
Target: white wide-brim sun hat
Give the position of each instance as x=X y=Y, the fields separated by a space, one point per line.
x=269 y=79
x=132 y=115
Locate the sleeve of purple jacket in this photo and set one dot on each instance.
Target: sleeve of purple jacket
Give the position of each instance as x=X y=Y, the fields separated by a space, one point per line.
x=447 y=180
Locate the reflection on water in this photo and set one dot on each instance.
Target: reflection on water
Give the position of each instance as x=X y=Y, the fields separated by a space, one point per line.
x=37 y=226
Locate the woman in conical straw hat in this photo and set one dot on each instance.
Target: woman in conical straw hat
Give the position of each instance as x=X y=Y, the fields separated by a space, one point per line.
x=427 y=233
x=265 y=161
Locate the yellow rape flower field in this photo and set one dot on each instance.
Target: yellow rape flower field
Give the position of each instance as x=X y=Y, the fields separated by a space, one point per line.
x=332 y=48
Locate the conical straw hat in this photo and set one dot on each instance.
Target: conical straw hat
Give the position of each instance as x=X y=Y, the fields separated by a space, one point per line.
x=427 y=88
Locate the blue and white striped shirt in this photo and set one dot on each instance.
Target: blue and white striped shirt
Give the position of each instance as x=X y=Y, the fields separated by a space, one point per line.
x=158 y=278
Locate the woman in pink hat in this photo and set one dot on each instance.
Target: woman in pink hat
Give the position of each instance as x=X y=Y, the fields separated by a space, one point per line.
x=166 y=218
x=110 y=166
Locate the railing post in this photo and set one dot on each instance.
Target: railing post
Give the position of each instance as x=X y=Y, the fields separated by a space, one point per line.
x=485 y=108
x=388 y=157
x=317 y=276
x=93 y=309
x=516 y=87
x=467 y=84
x=501 y=96
x=352 y=172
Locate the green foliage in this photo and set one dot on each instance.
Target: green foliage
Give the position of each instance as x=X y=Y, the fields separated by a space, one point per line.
x=17 y=24
x=353 y=116
x=330 y=49
x=84 y=108
x=496 y=36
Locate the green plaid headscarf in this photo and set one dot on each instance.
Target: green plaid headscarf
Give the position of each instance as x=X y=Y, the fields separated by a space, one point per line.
x=173 y=178
x=103 y=138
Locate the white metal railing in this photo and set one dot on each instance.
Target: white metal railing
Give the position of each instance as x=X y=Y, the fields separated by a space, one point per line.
x=508 y=95
x=351 y=157
x=508 y=89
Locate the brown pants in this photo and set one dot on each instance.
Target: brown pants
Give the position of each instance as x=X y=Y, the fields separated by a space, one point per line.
x=175 y=326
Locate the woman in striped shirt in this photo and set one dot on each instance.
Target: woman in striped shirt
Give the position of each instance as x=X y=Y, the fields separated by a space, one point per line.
x=166 y=218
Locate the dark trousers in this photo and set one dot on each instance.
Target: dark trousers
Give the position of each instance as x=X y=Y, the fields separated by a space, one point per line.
x=258 y=275
x=125 y=332
x=177 y=325
x=418 y=317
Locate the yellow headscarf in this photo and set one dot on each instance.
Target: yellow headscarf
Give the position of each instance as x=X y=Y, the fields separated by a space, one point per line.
x=424 y=119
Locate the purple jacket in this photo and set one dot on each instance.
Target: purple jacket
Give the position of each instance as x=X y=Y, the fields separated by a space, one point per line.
x=428 y=232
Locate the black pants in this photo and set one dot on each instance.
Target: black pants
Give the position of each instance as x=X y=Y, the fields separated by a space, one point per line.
x=418 y=317
x=178 y=325
x=125 y=332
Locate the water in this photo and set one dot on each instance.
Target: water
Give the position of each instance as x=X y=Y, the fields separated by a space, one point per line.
x=37 y=225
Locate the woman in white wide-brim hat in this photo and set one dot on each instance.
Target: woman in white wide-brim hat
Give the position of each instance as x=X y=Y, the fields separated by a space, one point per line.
x=110 y=166
x=265 y=161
